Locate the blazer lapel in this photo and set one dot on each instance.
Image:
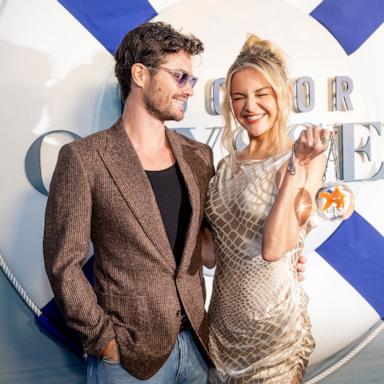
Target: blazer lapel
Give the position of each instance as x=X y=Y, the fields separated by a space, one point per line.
x=184 y=154
x=121 y=159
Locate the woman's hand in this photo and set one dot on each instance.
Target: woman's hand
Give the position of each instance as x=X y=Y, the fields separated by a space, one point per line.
x=312 y=142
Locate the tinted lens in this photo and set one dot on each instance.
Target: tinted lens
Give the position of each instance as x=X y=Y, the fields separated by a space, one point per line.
x=193 y=81
x=183 y=79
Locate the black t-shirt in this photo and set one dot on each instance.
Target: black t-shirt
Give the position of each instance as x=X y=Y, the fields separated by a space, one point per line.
x=173 y=202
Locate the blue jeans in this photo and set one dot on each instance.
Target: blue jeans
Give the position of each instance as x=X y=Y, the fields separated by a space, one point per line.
x=185 y=365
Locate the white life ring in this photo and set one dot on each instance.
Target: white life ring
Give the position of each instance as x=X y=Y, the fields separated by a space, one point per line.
x=56 y=76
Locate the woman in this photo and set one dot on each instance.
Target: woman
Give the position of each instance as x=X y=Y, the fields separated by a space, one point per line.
x=257 y=209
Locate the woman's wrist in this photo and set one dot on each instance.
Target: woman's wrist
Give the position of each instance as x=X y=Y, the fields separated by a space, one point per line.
x=295 y=162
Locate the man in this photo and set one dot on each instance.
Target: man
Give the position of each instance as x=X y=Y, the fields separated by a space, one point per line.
x=137 y=191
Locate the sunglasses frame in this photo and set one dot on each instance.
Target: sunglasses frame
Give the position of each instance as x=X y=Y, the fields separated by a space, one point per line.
x=181 y=77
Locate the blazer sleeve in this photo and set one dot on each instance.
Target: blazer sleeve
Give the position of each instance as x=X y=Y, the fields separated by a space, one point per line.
x=66 y=245
x=211 y=165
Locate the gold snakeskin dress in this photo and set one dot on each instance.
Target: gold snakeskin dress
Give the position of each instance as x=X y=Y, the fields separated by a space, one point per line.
x=259 y=326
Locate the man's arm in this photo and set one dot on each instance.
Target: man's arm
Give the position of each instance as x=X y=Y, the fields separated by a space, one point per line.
x=66 y=244
x=207 y=249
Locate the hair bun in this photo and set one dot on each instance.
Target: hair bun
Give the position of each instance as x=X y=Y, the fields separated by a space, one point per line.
x=264 y=49
x=254 y=41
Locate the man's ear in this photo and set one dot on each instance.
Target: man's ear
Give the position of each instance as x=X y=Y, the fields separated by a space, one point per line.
x=139 y=74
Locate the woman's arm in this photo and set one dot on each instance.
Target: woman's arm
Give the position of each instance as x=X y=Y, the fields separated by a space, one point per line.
x=282 y=227
x=207 y=251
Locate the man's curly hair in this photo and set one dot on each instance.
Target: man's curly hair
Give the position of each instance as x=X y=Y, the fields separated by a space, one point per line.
x=148 y=44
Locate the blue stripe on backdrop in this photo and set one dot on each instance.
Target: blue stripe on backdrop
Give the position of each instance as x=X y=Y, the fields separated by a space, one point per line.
x=356 y=251
x=26 y=354
x=351 y=22
x=109 y=21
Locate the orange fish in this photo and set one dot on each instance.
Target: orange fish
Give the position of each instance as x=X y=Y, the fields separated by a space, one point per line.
x=336 y=197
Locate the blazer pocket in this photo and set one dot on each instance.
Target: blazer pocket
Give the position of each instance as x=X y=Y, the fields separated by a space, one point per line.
x=126 y=312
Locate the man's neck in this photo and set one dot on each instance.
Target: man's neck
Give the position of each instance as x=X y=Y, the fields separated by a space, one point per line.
x=147 y=134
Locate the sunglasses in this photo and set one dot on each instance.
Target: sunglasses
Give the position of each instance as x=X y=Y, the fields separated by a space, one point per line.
x=181 y=77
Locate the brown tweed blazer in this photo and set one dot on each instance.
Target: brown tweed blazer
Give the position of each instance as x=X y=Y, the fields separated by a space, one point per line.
x=100 y=192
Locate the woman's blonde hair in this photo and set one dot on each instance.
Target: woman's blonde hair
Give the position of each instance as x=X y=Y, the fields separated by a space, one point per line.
x=268 y=60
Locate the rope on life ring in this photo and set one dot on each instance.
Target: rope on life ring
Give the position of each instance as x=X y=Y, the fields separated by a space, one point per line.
x=349 y=356
x=16 y=285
